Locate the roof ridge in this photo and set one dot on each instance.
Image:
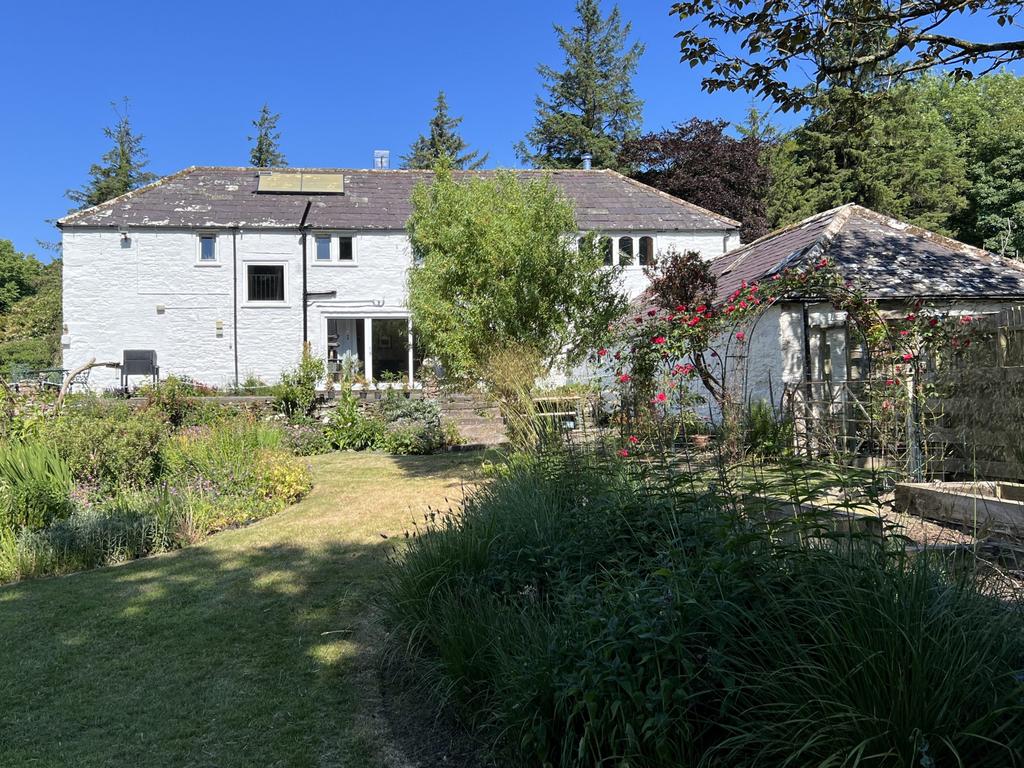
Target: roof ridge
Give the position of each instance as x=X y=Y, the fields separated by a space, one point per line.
x=673 y=198
x=70 y=217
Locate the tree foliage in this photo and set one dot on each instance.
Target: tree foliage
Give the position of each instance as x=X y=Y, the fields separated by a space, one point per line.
x=497 y=266
x=120 y=170
x=757 y=46
x=442 y=140
x=891 y=152
x=699 y=162
x=266 y=150
x=30 y=309
x=590 y=105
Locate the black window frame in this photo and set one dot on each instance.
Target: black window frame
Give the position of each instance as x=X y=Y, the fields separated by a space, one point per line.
x=261 y=294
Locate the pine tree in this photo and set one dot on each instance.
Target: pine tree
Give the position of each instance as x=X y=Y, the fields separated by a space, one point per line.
x=442 y=140
x=590 y=105
x=120 y=170
x=265 y=152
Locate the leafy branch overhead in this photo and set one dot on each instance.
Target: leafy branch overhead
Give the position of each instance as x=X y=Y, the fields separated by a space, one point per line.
x=788 y=50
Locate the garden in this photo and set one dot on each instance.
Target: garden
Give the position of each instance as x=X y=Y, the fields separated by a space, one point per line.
x=98 y=480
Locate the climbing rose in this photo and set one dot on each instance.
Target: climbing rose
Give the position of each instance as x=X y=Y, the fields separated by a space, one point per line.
x=933 y=322
x=740 y=335
x=602 y=352
x=634 y=439
x=907 y=357
x=625 y=378
x=701 y=309
x=965 y=320
x=658 y=340
x=623 y=452
x=661 y=397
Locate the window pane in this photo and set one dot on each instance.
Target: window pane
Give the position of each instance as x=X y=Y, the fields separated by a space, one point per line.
x=345 y=248
x=207 y=248
x=647 y=251
x=266 y=282
x=323 y=249
x=625 y=251
x=606 y=249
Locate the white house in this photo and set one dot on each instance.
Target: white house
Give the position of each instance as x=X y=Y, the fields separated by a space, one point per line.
x=226 y=272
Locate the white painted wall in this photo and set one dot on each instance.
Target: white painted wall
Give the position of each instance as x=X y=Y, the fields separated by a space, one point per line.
x=708 y=244
x=151 y=292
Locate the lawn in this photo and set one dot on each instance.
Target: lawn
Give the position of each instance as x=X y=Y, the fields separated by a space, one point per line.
x=252 y=648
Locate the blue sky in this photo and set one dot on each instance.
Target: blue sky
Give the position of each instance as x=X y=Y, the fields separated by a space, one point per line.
x=347 y=78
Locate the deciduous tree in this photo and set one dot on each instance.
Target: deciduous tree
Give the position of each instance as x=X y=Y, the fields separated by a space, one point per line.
x=497 y=265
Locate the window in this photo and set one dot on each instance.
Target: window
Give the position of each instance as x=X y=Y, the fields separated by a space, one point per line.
x=264 y=283
x=207 y=248
x=625 y=251
x=323 y=248
x=605 y=245
x=345 y=252
x=646 y=251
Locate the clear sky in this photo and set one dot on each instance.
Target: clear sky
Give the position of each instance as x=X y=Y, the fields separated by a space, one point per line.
x=347 y=78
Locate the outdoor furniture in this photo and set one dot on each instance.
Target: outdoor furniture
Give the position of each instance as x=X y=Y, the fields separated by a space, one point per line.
x=139 y=362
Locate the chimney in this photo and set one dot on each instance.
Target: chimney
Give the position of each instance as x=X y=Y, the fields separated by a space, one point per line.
x=587 y=158
x=381 y=159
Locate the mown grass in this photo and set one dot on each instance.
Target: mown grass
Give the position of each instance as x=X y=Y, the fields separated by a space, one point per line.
x=245 y=650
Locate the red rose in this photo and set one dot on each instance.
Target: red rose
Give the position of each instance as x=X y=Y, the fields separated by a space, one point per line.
x=661 y=397
x=602 y=352
x=625 y=378
x=658 y=340
x=623 y=452
x=740 y=335
x=634 y=439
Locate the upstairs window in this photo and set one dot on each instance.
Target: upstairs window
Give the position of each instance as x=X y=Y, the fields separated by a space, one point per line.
x=264 y=283
x=345 y=252
x=625 y=251
x=605 y=245
x=323 y=248
x=646 y=251
x=207 y=248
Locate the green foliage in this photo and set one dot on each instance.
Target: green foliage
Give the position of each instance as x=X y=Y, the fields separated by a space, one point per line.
x=397 y=424
x=497 y=265
x=890 y=151
x=442 y=141
x=35 y=486
x=108 y=444
x=766 y=432
x=590 y=105
x=296 y=393
x=349 y=428
x=580 y=612
x=120 y=170
x=30 y=310
x=266 y=152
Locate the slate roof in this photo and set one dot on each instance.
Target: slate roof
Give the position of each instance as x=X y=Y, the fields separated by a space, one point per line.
x=376 y=200
x=890 y=259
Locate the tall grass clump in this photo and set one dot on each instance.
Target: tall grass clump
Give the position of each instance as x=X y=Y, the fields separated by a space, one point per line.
x=584 y=611
x=35 y=486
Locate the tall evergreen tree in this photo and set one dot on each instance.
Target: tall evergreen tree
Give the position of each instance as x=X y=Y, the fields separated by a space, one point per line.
x=590 y=105
x=442 y=140
x=265 y=152
x=120 y=170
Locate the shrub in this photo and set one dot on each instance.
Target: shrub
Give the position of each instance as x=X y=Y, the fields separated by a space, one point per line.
x=35 y=486
x=108 y=444
x=583 y=612
x=397 y=424
x=766 y=432
x=296 y=393
x=349 y=428
x=307 y=438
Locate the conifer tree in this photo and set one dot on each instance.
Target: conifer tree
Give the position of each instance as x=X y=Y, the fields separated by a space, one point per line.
x=120 y=170
x=442 y=140
x=590 y=105
x=265 y=152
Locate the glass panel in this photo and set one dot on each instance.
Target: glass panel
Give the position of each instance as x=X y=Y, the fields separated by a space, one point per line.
x=625 y=251
x=208 y=248
x=266 y=282
x=647 y=251
x=323 y=248
x=345 y=248
x=605 y=245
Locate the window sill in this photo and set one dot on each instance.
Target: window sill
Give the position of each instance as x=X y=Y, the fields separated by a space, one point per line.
x=334 y=264
x=266 y=304
x=208 y=264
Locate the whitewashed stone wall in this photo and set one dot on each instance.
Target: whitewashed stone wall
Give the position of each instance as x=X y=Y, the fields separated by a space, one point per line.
x=708 y=244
